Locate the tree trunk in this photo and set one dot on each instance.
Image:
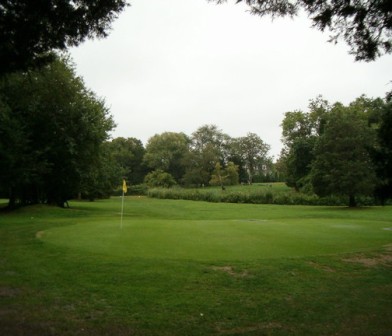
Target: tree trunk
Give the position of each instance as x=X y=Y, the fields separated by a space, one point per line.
x=352 y=203
x=11 y=199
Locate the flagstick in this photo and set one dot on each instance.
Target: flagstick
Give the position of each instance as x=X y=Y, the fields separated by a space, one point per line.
x=124 y=190
x=122 y=210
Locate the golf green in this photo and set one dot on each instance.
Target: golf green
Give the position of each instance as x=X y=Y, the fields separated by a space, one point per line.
x=220 y=239
x=175 y=267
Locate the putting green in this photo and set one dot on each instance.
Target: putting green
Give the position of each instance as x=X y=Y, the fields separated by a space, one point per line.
x=220 y=240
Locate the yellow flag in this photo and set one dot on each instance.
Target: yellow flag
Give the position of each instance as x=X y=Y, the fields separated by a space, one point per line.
x=124 y=188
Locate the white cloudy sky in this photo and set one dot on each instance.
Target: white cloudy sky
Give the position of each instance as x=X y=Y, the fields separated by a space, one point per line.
x=176 y=65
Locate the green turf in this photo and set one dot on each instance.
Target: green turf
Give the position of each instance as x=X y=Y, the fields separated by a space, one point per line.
x=195 y=268
x=238 y=233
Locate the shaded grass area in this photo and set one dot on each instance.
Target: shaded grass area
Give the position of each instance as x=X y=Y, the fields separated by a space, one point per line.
x=93 y=282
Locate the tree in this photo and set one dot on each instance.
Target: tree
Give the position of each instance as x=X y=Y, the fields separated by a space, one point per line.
x=227 y=176
x=383 y=155
x=253 y=153
x=31 y=30
x=365 y=25
x=300 y=131
x=298 y=162
x=342 y=164
x=209 y=145
x=232 y=173
x=102 y=178
x=299 y=124
x=128 y=155
x=55 y=128
x=166 y=152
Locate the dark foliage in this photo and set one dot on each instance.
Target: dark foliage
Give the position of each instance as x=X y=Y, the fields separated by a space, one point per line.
x=383 y=156
x=30 y=30
x=51 y=131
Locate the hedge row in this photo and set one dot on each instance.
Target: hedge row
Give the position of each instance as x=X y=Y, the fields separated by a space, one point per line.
x=252 y=197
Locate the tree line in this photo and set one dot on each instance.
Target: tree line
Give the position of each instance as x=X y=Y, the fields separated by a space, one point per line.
x=333 y=149
x=55 y=145
x=207 y=157
x=54 y=132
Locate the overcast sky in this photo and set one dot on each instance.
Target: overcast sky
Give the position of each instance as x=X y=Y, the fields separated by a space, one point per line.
x=176 y=65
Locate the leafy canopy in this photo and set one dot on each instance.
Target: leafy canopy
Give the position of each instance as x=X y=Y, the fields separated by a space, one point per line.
x=51 y=132
x=31 y=30
x=342 y=164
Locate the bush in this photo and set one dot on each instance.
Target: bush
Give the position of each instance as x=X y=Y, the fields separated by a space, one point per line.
x=159 y=178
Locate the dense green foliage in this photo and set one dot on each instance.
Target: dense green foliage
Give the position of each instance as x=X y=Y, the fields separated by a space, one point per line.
x=250 y=154
x=383 y=154
x=333 y=154
x=30 y=30
x=365 y=25
x=159 y=178
x=51 y=132
x=166 y=152
x=337 y=150
x=222 y=177
x=128 y=156
x=54 y=132
x=195 y=268
x=342 y=163
x=207 y=157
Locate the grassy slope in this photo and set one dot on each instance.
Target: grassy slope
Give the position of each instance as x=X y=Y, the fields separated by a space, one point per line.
x=192 y=268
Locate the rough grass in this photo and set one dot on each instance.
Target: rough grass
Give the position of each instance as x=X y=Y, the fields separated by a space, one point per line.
x=259 y=193
x=194 y=268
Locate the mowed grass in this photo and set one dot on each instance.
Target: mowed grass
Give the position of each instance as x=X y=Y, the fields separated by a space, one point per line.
x=195 y=268
x=197 y=231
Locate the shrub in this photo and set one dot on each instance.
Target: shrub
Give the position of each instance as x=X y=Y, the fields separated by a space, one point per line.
x=159 y=178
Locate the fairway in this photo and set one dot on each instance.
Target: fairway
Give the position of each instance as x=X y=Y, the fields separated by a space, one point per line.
x=179 y=268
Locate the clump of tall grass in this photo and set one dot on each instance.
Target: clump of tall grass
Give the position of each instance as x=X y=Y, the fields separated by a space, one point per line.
x=251 y=195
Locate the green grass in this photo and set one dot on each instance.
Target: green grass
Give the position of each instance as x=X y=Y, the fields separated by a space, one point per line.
x=195 y=268
x=3 y=202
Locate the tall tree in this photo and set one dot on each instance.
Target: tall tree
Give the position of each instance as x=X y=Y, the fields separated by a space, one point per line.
x=298 y=162
x=300 y=131
x=253 y=152
x=209 y=145
x=128 y=155
x=342 y=164
x=166 y=152
x=31 y=30
x=102 y=178
x=225 y=176
x=55 y=127
x=366 y=25
x=383 y=155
